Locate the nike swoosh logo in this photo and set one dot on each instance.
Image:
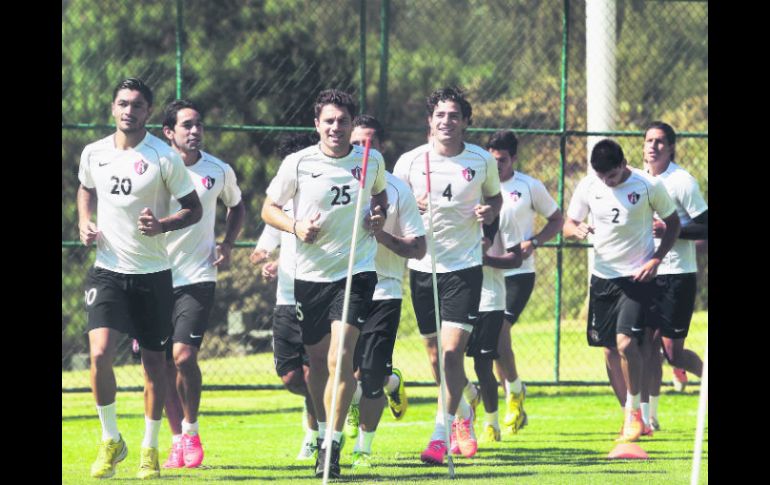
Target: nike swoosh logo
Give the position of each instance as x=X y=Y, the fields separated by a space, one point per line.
x=483 y=351
x=196 y=336
x=634 y=329
x=432 y=171
x=359 y=320
x=163 y=342
x=472 y=317
x=678 y=330
x=103 y=164
x=315 y=175
x=598 y=197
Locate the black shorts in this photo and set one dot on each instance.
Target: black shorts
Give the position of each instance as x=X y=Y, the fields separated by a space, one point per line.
x=459 y=294
x=318 y=304
x=673 y=304
x=483 y=342
x=190 y=316
x=136 y=304
x=518 y=289
x=617 y=306
x=288 y=351
x=374 y=350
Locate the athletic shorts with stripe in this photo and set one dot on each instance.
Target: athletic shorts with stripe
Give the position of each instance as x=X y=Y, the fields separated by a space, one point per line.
x=374 y=350
x=288 y=351
x=190 y=316
x=518 y=289
x=318 y=304
x=459 y=294
x=674 y=302
x=138 y=305
x=486 y=333
x=617 y=306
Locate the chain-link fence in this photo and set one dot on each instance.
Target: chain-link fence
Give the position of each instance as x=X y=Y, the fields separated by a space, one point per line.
x=256 y=66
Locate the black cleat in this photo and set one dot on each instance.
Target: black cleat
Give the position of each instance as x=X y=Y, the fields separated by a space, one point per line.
x=334 y=460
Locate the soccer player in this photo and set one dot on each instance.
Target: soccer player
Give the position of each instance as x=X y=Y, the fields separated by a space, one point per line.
x=462 y=175
x=502 y=250
x=622 y=201
x=323 y=183
x=195 y=256
x=402 y=236
x=676 y=278
x=524 y=197
x=290 y=358
x=128 y=179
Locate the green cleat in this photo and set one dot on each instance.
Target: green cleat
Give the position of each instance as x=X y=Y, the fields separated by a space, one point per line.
x=352 y=421
x=516 y=417
x=148 y=464
x=361 y=460
x=110 y=454
x=490 y=434
x=397 y=401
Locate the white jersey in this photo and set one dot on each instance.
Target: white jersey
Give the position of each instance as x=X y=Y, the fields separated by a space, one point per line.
x=523 y=198
x=270 y=239
x=493 y=284
x=319 y=184
x=684 y=191
x=458 y=184
x=193 y=249
x=127 y=181
x=622 y=219
x=403 y=220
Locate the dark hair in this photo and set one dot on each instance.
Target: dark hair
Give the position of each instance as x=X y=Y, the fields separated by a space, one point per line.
x=173 y=108
x=134 y=84
x=451 y=93
x=503 y=140
x=606 y=155
x=668 y=131
x=369 y=121
x=296 y=142
x=335 y=97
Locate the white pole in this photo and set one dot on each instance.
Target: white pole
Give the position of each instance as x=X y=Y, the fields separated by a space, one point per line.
x=704 y=395
x=441 y=378
x=327 y=443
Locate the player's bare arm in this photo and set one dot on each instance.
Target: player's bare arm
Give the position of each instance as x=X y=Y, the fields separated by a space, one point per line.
x=488 y=212
x=190 y=213
x=551 y=229
x=86 y=201
x=697 y=229
x=233 y=224
x=576 y=229
x=648 y=271
x=512 y=258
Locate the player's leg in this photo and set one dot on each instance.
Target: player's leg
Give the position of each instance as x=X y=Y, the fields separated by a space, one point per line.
x=615 y=374
x=482 y=347
x=174 y=414
x=677 y=310
x=651 y=375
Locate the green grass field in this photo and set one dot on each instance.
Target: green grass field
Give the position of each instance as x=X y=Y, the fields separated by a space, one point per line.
x=253 y=437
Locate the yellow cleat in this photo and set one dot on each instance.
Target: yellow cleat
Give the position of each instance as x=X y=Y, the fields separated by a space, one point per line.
x=110 y=454
x=516 y=417
x=633 y=427
x=397 y=401
x=490 y=434
x=352 y=421
x=148 y=464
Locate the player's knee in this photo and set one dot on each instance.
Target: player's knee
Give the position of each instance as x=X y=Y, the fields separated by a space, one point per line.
x=294 y=382
x=101 y=358
x=371 y=384
x=453 y=358
x=483 y=368
x=185 y=360
x=626 y=345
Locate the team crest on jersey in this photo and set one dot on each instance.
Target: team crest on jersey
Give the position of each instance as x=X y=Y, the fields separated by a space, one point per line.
x=140 y=166
x=208 y=181
x=515 y=195
x=468 y=173
x=356 y=172
x=633 y=197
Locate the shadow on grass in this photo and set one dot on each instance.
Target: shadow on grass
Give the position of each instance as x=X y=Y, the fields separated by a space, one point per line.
x=255 y=412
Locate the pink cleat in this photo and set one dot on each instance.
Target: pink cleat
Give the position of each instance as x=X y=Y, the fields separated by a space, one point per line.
x=454 y=448
x=175 y=457
x=193 y=450
x=434 y=453
x=466 y=438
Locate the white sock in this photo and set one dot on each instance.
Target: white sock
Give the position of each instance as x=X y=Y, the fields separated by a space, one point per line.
x=190 y=429
x=515 y=386
x=439 y=431
x=392 y=384
x=108 y=417
x=322 y=429
x=464 y=409
x=646 y=413
x=364 y=443
x=633 y=400
x=336 y=436
x=470 y=391
x=151 y=431
x=311 y=436
x=357 y=394
x=491 y=418
x=654 y=407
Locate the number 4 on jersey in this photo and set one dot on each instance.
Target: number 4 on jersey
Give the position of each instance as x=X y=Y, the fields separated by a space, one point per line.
x=448 y=192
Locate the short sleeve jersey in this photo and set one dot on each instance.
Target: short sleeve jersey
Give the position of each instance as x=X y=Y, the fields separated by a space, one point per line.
x=493 y=284
x=403 y=220
x=623 y=220
x=329 y=187
x=458 y=184
x=127 y=181
x=685 y=192
x=193 y=249
x=523 y=198
x=270 y=239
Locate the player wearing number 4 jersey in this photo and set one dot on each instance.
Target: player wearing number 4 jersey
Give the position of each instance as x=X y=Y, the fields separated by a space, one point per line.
x=195 y=257
x=462 y=176
x=129 y=179
x=323 y=181
x=622 y=202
